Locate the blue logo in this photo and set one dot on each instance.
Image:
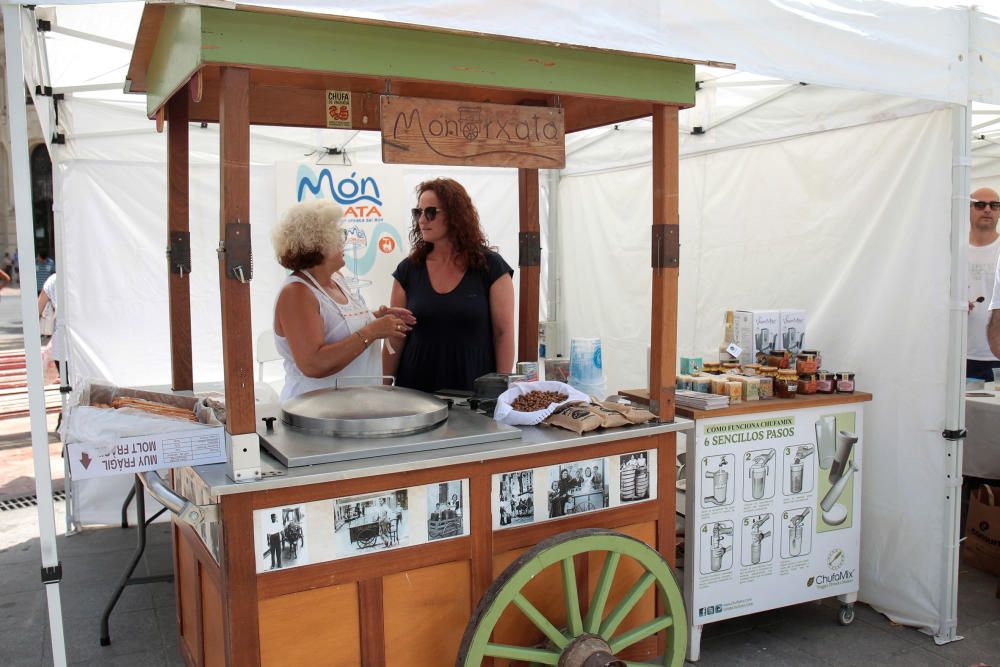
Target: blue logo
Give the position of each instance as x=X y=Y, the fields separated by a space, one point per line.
x=360 y=266
x=346 y=191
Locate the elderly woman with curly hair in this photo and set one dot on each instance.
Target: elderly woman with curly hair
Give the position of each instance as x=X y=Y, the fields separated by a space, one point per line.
x=461 y=293
x=321 y=329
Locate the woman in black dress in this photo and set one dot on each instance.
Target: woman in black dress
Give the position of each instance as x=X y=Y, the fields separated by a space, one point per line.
x=460 y=292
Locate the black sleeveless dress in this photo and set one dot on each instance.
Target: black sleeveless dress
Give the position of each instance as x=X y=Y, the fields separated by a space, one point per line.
x=452 y=342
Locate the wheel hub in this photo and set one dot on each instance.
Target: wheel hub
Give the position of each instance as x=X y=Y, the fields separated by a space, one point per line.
x=588 y=651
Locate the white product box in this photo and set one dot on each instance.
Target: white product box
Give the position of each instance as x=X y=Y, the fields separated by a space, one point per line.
x=793 y=331
x=757 y=331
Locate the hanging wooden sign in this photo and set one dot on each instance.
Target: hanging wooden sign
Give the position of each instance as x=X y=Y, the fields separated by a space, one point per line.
x=426 y=131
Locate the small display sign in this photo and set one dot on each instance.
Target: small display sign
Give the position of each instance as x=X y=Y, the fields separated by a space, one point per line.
x=338 y=109
x=142 y=453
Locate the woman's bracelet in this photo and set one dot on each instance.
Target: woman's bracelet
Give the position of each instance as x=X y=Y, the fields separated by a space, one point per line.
x=364 y=341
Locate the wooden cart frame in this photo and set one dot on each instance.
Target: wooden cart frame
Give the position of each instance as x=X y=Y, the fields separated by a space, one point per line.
x=245 y=66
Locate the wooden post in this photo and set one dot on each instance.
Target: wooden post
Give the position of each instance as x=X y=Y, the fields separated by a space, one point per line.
x=239 y=581
x=665 y=262
x=179 y=241
x=529 y=264
x=234 y=193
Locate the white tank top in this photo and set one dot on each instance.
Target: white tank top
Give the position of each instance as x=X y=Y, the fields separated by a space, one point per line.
x=339 y=322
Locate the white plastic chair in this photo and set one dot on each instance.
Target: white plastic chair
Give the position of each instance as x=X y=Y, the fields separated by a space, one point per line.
x=266 y=351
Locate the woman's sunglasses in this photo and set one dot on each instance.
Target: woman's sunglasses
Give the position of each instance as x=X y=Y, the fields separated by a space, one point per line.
x=980 y=205
x=430 y=213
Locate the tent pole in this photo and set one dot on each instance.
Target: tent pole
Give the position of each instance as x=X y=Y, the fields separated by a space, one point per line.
x=955 y=380
x=554 y=345
x=529 y=265
x=51 y=568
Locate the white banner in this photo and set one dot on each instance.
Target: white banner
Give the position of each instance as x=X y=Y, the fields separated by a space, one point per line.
x=376 y=216
x=773 y=510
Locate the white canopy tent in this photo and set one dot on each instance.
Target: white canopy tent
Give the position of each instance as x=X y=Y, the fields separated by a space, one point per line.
x=846 y=197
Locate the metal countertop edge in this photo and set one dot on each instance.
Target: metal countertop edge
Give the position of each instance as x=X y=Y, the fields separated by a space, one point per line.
x=438 y=458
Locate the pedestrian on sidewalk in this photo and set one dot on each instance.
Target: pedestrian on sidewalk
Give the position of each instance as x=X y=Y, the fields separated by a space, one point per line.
x=4 y=279
x=45 y=266
x=48 y=311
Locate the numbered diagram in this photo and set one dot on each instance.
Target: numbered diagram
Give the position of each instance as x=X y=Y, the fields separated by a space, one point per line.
x=716 y=546
x=757 y=539
x=796 y=532
x=758 y=474
x=719 y=487
x=798 y=474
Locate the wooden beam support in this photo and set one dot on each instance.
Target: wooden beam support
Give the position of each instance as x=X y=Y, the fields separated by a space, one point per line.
x=529 y=264
x=179 y=242
x=234 y=192
x=663 y=334
x=370 y=604
x=239 y=581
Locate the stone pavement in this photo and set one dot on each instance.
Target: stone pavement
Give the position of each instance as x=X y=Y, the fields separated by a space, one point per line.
x=144 y=625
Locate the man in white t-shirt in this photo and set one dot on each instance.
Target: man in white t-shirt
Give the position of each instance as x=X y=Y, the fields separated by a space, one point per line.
x=984 y=249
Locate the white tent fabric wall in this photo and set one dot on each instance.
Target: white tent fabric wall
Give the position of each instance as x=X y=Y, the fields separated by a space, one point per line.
x=832 y=223
x=115 y=236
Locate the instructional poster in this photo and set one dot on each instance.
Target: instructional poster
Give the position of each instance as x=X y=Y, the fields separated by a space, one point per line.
x=774 y=507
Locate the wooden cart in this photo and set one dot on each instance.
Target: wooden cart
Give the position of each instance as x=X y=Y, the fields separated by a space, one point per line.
x=242 y=66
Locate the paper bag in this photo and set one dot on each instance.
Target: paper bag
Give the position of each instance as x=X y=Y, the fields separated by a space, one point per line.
x=981 y=547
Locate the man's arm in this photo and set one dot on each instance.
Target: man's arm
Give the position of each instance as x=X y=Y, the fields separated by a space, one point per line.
x=993 y=332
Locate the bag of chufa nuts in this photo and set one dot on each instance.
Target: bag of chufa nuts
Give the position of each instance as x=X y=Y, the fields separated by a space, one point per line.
x=628 y=414
x=576 y=417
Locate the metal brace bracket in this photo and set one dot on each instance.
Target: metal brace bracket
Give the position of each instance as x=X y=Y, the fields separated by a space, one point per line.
x=237 y=252
x=52 y=575
x=529 y=248
x=954 y=435
x=666 y=247
x=179 y=253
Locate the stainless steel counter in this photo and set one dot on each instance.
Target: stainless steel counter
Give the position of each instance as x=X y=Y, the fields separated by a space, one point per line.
x=534 y=440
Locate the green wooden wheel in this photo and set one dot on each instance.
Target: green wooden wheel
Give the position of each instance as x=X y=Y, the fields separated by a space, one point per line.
x=592 y=636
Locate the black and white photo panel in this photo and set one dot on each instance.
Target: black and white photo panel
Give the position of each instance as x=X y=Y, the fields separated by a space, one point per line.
x=513 y=498
x=371 y=522
x=577 y=487
x=634 y=476
x=281 y=537
x=445 y=510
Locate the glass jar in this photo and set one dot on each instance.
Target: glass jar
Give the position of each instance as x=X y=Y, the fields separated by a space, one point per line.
x=807 y=383
x=806 y=364
x=730 y=367
x=814 y=353
x=825 y=382
x=779 y=358
x=845 y=382
x=787 y=383
x=751 y=369
x=768 y=371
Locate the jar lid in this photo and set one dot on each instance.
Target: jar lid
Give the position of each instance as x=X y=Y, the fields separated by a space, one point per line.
x=768 y=369
x=809 y=356
x=787 y=372
x=808 y=377
x=845 y=375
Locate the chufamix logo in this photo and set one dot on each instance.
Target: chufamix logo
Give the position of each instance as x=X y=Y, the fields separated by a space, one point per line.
x=835 y=560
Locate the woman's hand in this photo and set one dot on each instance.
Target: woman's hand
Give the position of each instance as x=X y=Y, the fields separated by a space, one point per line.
x=388 y=326
x=402 y=313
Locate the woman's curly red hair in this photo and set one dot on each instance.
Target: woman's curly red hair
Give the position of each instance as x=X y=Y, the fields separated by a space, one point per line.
x=466 y=235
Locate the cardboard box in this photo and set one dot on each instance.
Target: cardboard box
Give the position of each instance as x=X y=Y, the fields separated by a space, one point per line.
x=756 y=331
x=792 y=328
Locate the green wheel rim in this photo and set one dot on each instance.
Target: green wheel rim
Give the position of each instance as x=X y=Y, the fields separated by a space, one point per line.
x=508 y=589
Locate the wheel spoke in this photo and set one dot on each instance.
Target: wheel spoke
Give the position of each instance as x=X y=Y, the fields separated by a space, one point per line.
x=626 y=639
x=572 y=595
x=526 y=653
x=622 y=609
x=593 y=622
x=542 y=623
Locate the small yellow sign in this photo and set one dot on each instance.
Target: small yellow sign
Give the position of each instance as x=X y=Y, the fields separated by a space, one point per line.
x=338 y=108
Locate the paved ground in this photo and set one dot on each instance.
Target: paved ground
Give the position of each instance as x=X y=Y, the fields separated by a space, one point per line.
x=144 y=627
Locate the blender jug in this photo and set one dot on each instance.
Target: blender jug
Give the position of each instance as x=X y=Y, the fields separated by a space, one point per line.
x=720 y=484
x=845 y=444
x=826 y=440
x=758 y=473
